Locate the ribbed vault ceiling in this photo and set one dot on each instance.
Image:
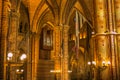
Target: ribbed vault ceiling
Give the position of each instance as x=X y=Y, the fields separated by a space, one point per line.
x=59 y=11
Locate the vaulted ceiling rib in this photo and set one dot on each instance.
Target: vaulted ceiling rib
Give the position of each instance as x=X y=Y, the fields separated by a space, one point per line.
x=61 y=10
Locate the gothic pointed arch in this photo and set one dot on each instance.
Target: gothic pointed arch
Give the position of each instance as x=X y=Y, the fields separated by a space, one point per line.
x=79 y=6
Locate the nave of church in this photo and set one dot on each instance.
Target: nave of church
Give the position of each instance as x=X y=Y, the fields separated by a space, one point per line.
x=59 y=39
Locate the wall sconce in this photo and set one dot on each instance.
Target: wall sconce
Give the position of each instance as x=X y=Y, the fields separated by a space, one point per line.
x=9 y=56
x=19 y=71
x=97 y=68
x=102 y=67
x=92 y=64
x=23 y=56
x=105 y=64
x=16 y=63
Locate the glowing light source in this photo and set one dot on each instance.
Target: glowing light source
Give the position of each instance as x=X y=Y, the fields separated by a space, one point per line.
x=93 y=62
x=17 y=70
x=89 y=63
x=23 y=56
x=109 y=63
x=10 y=55
x=103 y=62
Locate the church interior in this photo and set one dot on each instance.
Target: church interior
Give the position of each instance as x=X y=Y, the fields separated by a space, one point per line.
x=59 y=39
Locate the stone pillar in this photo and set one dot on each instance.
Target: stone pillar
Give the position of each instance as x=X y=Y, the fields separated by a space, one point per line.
x=92 y=56
x=37 y=47
x=101 y=39
x=61 y=52
x=57 y=52
x=12 y=41
x=113 y=44
x=117 y=19
x=100 y=17
x=5 y=19
x=13 y=31
x=102 y=54
x=12 y=45
x=35 y=55
x=1 y=5
x=1 y=55
x=29 y=56
x=65 y=52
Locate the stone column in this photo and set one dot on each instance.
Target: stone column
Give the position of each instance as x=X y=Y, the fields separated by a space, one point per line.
x=35 y=55
x=1 y=55
x=13 y=31
x=65 y=52
x=57 y=52
x=61 y=52
x=113 y=43
x=117 y=19
x=12 y=39
x=92 y=56
x=1 y=5
x=5 y=19
x=29 y=56
x=101 y=39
